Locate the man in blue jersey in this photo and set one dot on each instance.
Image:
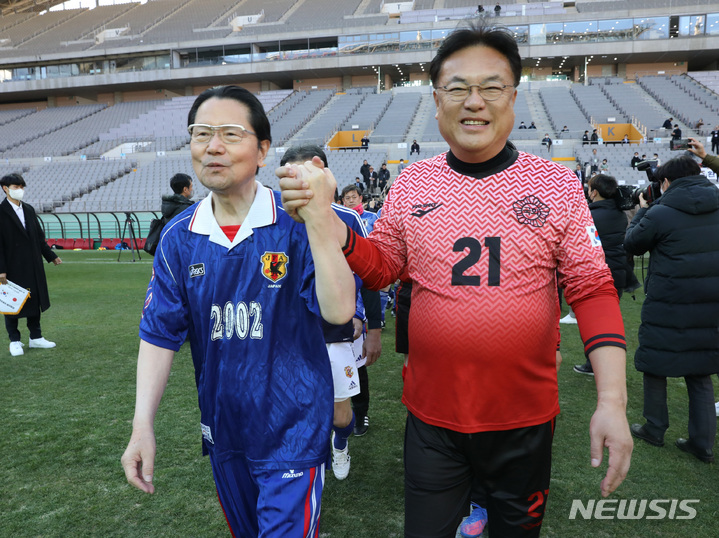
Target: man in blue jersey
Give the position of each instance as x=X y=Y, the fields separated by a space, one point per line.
x=344 y=342
x=250 y=288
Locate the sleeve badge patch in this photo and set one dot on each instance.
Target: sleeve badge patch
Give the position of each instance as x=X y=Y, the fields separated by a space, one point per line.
x=594 y=236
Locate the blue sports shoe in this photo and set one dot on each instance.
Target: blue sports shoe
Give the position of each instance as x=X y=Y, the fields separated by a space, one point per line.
x=473 y=525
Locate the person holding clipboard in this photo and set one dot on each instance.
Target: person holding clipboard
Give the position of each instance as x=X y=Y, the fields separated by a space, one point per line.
x=22 y=247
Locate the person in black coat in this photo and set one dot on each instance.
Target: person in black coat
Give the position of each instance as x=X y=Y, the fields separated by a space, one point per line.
x=383 y=176
x=611 y=225
x=364 y=172
x=680 y=314
x=180 y=199
x=22 y=247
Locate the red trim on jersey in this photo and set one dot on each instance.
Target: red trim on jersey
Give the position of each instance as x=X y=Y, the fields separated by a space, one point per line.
x=599 y=319
x=364 y=258
x=231 y=230
x=225 y=514
x=308 y=503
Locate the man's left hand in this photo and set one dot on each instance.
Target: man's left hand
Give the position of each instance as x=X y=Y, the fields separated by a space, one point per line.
x=57 y=261
x=609 y=428
x=372 y=347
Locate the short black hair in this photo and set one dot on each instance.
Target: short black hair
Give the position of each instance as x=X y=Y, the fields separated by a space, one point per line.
x=604 y=184
x=260 y=125
x=12 y=179
x=350 y=188
x=303 y=153
x=477 y=34
x=179 y=181
x=678 y=167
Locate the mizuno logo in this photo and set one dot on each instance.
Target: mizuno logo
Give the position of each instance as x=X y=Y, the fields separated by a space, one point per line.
x=423 y=209
x=293 y=474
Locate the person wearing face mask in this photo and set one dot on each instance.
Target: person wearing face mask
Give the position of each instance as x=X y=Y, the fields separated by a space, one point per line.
x=680 y=314
x=610 y=225
x=22 y=247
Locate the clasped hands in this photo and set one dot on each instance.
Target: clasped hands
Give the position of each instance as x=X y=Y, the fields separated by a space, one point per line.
x=308 y=189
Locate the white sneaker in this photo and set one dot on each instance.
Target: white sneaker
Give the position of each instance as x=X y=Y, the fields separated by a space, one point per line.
x=16 y=349
x=568 y=319
x=340 y=460
x=41 y=343
x=716 y=405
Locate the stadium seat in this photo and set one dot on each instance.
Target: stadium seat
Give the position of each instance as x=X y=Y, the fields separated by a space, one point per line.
x=84 y=244
x=109 y=244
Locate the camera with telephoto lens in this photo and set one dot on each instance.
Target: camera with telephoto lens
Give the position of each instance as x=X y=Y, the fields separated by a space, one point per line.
x=652 y=191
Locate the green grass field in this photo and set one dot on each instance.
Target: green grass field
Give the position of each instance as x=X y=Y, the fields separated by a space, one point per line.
x=66 y=417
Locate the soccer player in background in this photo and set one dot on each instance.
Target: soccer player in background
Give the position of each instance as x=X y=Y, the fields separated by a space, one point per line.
x=481 y=231
x=345 y=342
x=250 y=287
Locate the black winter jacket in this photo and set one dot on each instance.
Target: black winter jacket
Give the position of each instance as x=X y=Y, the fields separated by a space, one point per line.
x=679 y=333
x=611 y=223
x=174 y=204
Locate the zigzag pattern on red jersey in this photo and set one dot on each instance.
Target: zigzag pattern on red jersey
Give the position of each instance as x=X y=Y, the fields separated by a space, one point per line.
x=483 y=255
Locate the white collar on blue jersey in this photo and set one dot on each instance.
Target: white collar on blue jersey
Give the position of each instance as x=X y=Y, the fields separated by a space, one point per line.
x=263 y=212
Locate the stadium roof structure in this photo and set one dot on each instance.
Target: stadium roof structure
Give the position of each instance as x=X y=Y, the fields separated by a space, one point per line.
x=27 y=6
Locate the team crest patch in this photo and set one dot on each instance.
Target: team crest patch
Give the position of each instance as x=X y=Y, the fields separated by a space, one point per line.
x=594 y=236
x=348 y=371
x=274 y=265
x=530 y=210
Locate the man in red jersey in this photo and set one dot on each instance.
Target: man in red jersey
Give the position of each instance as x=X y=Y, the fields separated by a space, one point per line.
x=481 y=231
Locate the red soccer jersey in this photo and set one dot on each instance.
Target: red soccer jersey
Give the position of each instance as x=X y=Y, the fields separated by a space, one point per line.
x=482 y=254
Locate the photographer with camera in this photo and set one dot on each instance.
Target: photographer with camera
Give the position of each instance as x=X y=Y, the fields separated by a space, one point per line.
x=611 y=224
x=680 y=315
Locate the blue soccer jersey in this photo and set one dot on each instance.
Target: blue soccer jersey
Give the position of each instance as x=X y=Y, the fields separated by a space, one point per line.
x=344 y=333
x=250 y=309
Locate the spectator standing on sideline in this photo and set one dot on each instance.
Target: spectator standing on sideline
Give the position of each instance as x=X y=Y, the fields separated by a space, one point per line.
x=610 y=224
x=625 y=140
x=680 y=314
x=594 y=138
x=676 y=135
x=547 y=141
x=635 y=160
x=262 y=370
x=497 y=10
x=474 y=73
x=401 y=166
x=414 y=148
x=365 y=141
x=372 y=185
x=180 y=199
x=531 y=125
x=359 y=185
x=364 y=172
x=22 y=248
x=579 y=172
x=594 y=161
x=585 y=138
x=383 y=177
x=480 y=8
x=715 y=139
x=522 y=125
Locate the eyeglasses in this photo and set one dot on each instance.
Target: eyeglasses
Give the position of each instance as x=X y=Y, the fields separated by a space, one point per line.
x=229 y=134
x=460 y=92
